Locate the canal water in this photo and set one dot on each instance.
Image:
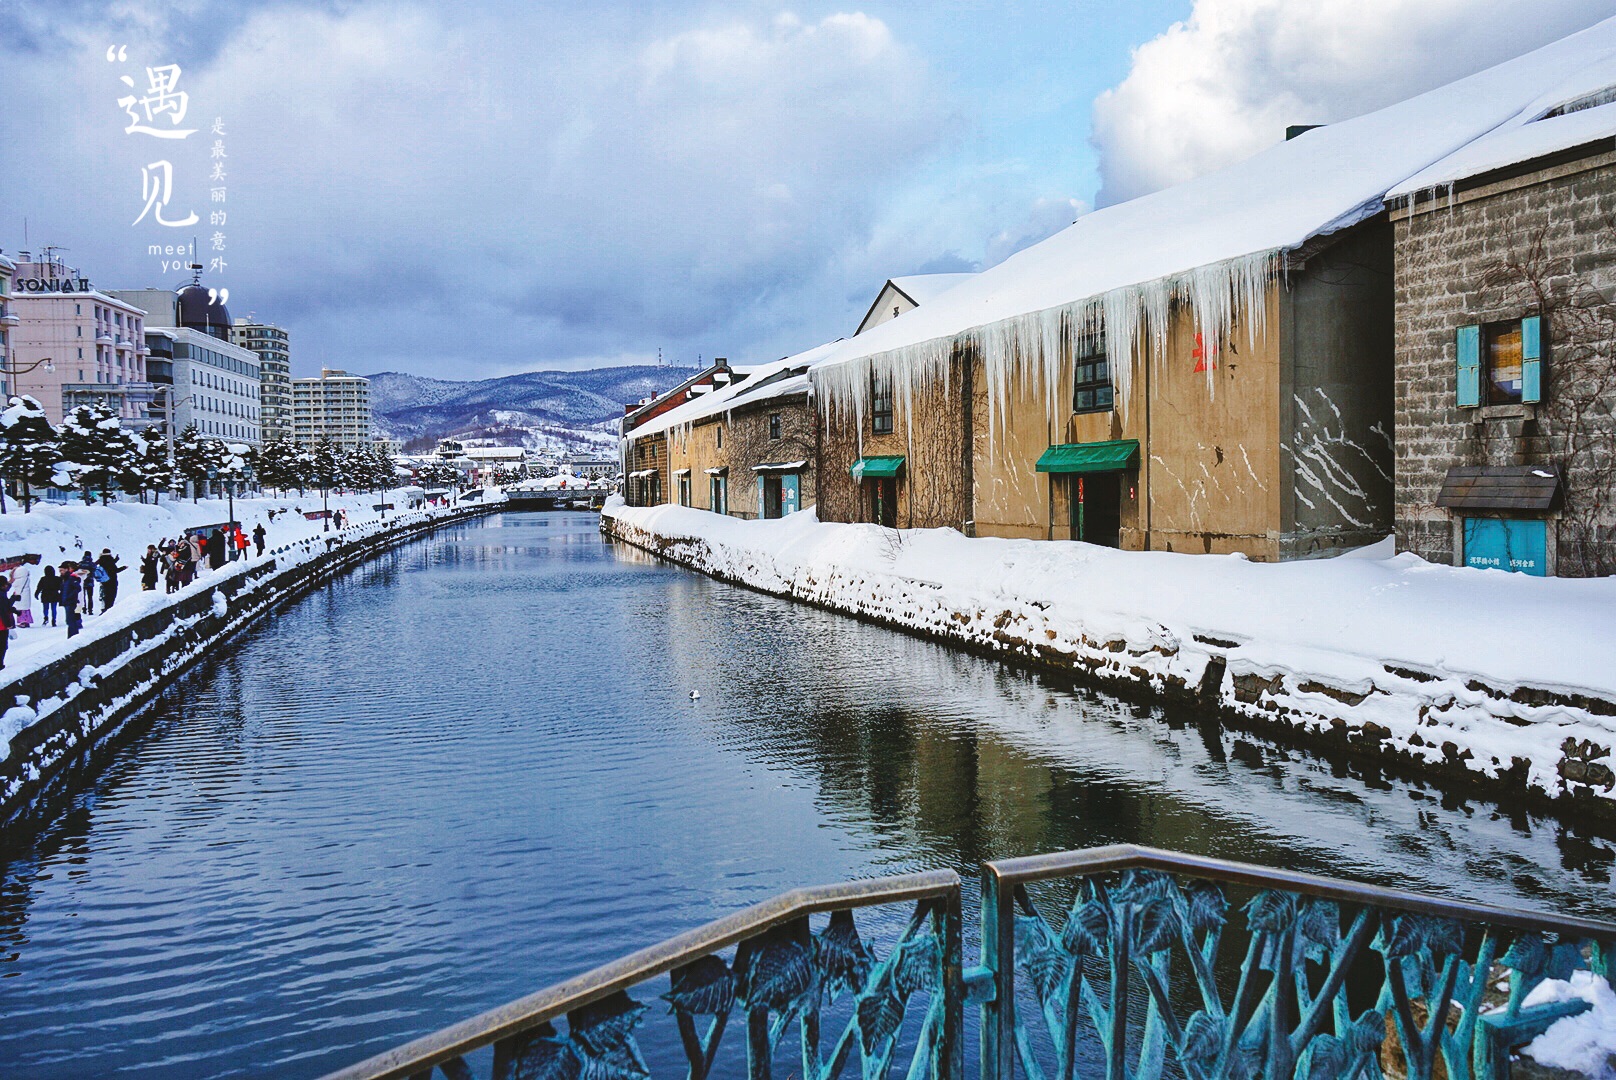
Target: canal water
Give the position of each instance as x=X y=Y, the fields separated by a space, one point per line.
x=474 y=767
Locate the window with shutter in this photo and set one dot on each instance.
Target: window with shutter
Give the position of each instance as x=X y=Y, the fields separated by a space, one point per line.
x=1532 y=359
x=1469 y=353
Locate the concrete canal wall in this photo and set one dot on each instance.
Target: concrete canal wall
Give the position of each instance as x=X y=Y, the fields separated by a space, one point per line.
x=1543 y=746
x=77 y=709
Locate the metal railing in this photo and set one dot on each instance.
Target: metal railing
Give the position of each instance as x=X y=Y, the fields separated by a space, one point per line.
x=781 y=973
x=1142 y=968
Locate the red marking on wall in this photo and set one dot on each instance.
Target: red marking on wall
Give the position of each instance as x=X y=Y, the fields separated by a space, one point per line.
x=1205 y=358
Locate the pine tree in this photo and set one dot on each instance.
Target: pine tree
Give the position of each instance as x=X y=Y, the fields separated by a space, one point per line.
x=357 y=467
x=92 y=447
x=326 y=464
x=280 y=466
x=191 y=459
x=151 y=470
x=235 y=462
x=28 y=452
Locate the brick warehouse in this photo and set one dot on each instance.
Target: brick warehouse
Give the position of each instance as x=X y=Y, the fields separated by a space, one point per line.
x=1506 y=352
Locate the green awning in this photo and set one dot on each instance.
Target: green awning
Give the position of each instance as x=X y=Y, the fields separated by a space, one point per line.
x=870 y=468
x=1090 y=457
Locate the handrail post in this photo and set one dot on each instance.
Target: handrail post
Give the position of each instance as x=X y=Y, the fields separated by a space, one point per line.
x=998 y=1035
x=951 y=1054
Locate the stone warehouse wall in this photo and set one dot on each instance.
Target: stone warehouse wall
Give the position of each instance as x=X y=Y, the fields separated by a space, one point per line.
x=934 y=489
x=86 y=700
x=750 y=445
x=1539 y=244
x=1422 y=724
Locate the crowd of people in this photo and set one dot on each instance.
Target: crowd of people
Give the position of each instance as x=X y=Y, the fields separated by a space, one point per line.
x=68 y=592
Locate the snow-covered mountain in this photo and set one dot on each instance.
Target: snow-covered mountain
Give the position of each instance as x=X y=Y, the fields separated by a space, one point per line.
x=560 y=409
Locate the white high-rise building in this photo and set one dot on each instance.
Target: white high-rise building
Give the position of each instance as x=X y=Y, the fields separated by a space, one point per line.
x=272 y=345
x=334 y=406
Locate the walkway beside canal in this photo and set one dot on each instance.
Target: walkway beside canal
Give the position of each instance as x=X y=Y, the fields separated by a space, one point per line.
x=1497 y=682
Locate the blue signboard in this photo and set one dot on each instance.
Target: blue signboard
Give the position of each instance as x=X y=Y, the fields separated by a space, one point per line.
x=789 y=494
x=1503 y=544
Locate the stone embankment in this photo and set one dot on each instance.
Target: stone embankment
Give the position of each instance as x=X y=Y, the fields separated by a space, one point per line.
x=77 y=709
x=1522 y=745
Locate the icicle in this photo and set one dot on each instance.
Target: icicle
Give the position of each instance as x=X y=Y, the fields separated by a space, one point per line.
x=1025 y=353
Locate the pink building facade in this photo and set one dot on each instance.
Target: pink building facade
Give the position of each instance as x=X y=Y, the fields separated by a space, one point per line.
x=73 y=344
x=8 y=320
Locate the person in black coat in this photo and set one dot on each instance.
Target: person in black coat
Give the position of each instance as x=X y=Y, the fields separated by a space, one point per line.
x=8 y=619
x=72 y=589
x=215 y=549
x=258 y=535
x=109 y=588
x=150 y=568
x=87 y=582
x=49 y=594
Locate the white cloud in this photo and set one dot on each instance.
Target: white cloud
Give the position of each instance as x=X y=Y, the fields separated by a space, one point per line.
x=423 y=190
x=1226 y=82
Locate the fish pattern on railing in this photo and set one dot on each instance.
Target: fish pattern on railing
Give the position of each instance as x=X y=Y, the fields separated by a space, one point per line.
x=1134 y=985
x=783 y=978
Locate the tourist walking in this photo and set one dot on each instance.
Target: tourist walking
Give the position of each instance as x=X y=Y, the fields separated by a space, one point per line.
x=110 y=568
x=49 y=594
x=184 y=567
x=86 y=569
x=8 y=622
x=258 y=535
x=215 y=548
x=241 y=541
x=149 y=566
x=195 y=543
x=72 y=591
x=22 y=593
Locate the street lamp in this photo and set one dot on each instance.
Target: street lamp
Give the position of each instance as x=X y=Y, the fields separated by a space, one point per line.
x=12 y=370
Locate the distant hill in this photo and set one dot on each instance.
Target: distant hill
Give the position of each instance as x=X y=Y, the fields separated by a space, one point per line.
x=562 y=409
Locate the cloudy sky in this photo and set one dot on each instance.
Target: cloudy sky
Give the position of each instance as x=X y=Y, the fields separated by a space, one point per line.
x=474 y=188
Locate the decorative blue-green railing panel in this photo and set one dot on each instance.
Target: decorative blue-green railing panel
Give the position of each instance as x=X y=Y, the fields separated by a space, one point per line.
x=1143 y=973
x=843 y=998
x=1123 y=963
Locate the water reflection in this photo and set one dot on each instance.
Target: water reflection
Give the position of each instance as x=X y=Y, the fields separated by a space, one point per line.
x=473 y=767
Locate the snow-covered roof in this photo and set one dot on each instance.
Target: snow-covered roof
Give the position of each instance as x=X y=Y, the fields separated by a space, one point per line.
x=924 y=288
x=1514 y=145
x=1214 y=241
x=7 y=264
x=736 y=393
x=793 y=384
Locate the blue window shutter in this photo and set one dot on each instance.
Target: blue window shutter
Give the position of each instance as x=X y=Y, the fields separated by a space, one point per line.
x=1469 y=343
x=1532 y=358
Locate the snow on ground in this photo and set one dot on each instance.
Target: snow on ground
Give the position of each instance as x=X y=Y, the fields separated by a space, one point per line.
x=61 y=532
x=1385 y=644
x=1585 y=1043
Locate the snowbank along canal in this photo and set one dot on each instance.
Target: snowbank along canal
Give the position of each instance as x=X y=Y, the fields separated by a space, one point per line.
x=473 y=767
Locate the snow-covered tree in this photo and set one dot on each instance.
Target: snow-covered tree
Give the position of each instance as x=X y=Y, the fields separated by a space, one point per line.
x=283 y=465
x=148 y=467
x=92 y=448
x=236 y=463
x=28 y=453
x=439 y=473
x=191 y=459
x=326 y=465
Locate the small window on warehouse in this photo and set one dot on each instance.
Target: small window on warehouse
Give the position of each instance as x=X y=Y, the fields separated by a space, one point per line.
x=881 y=404
x=774 y=426
x=1091 y=383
